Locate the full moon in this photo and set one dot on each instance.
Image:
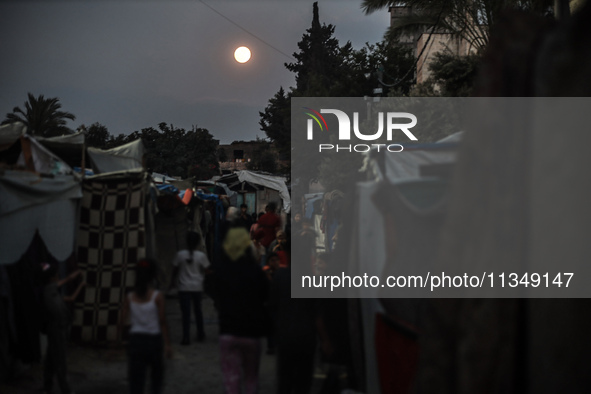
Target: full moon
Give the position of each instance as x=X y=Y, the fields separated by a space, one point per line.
x=242 y=54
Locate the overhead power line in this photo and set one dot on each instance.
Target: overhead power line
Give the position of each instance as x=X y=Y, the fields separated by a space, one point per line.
x=246 y=30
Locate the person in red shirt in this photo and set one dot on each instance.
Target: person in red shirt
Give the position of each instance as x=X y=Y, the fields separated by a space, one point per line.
x=269 y=223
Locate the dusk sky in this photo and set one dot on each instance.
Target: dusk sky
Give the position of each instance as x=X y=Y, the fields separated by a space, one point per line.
x=133 y=64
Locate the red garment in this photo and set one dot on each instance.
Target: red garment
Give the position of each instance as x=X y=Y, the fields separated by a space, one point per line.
x=269 y=223
x=283 y=258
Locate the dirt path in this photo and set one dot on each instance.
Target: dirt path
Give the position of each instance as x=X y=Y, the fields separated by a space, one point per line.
x=193 y=369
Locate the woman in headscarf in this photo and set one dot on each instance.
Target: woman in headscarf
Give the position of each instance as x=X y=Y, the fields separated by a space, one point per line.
x=242 y=290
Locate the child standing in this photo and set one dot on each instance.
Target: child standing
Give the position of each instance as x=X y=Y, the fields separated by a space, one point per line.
x=148 y=336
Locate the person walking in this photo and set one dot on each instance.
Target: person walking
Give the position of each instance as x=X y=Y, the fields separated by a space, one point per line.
x=244 y=218
x=190 y=266
x=242 y=292
x=270 y=222
x=149 y=339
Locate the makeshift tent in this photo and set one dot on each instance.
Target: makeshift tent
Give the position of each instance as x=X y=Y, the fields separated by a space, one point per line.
x=109 y=218
x=126 y=157
x=410 y=163
x=216 y=187
x=44 y=201
x=161 y=178
x=38 y=216
x=409 y=196
x=70 y=148
x=239 y=179
x=38 y=158
x=10 y=133
x=32 y=203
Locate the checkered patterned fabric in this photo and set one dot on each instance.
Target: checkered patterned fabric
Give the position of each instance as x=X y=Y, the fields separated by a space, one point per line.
x=110 y=241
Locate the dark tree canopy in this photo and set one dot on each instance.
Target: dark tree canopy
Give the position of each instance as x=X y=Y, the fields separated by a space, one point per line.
x=275 y=122
x=324 y=68
x=454 y=75
x=97 y=135
x=176 y=152
x=264 y=158
x=319 y=60
x=222 y=156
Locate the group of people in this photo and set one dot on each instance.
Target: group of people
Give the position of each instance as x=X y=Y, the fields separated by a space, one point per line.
x=250 y=286
x=240 y=284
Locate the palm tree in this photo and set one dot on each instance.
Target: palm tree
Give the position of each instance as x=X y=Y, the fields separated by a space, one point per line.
x=41 y=116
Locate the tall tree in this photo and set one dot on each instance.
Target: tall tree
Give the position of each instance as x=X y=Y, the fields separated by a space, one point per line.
x=324 y=68
x=318 y=63
x=392 y=68
x=43 y=117
x=275 y=122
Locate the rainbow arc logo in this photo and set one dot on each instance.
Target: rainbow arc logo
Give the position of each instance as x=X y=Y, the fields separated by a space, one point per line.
x=315 y=116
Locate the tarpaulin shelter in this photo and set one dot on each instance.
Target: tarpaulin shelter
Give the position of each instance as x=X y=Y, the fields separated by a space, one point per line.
x=71 y=148
x=264 y=188
x=10 y=133
x=162 y=179
x=38 y=223
x=35 y=204
x=214 y=186
x=43 y=199
x=122 y=158
x=105 y=220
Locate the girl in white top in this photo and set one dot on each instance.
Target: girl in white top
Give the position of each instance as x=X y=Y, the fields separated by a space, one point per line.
x=189 y=267
x=148 y=336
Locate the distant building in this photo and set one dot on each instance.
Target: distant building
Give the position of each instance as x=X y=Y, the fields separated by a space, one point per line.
x=418 y=39
x=239 y=154
x=408 y=38
x=230 y=166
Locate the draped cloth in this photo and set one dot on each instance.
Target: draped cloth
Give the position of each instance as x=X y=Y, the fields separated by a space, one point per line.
x=112 y=237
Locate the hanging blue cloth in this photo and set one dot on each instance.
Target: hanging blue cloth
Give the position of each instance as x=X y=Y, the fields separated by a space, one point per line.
x=168 y=189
